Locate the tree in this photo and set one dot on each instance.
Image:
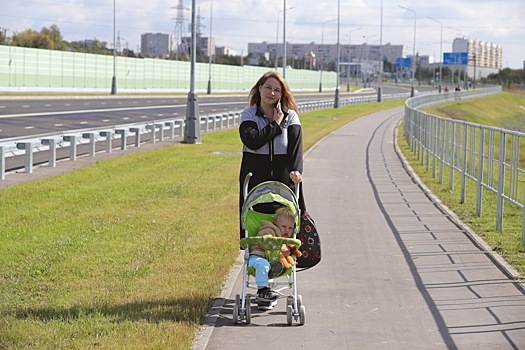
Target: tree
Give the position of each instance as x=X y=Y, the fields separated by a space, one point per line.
x=54 y=34
x=31 y=38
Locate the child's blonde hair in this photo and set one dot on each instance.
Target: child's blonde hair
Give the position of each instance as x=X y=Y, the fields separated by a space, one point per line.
x=284 y=212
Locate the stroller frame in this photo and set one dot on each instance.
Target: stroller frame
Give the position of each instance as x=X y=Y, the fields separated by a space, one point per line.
x=266 y=192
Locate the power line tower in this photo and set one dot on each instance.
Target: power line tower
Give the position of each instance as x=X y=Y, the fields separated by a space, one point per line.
x=181 y=47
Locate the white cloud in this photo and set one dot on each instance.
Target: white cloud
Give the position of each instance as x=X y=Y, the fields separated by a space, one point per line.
x=237 y=22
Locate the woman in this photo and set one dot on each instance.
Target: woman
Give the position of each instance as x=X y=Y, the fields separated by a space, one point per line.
x=271 y=134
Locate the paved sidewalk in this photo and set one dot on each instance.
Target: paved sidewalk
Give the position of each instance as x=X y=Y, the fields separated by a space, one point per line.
x=398 y=271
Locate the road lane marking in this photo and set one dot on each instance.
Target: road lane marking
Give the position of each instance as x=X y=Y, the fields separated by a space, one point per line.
x=113 y=110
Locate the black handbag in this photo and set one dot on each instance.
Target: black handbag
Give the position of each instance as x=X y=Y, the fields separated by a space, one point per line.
x=310 y=243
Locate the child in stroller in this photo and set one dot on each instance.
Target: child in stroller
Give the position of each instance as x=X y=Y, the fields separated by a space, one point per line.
x=251 y=220
x=282 y=226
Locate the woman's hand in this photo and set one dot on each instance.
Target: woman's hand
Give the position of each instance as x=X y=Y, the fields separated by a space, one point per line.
x=296 y=176
x=278 y=114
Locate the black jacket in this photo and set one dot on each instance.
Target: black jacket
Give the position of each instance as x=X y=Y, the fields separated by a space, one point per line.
x=270 y=151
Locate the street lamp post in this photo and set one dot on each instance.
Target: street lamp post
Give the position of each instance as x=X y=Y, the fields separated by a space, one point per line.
x=322 y=57
x=350 y=57
x=366 y=79
x=284 y=40
x=379 y=92
x=114 y=80
x=440 y=52
x=336 y=100
x=192 y=131
x=209 y=50
x=413 y=51
x=277 y=37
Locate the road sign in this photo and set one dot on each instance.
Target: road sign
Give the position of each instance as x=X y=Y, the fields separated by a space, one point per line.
x=456 y=58
x=403 y=62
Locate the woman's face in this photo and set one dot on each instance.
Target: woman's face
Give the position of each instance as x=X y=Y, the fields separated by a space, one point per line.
x=270 y=91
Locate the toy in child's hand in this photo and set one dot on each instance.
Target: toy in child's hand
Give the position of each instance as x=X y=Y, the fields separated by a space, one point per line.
x=285 y=256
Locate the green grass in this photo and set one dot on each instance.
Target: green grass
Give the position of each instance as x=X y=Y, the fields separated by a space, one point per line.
x=130 y=252
x=504 y=110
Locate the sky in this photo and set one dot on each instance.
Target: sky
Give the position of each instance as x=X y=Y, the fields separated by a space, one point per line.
x=235 y=23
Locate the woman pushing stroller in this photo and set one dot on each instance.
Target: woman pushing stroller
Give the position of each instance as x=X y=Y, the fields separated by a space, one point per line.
x=271 y=134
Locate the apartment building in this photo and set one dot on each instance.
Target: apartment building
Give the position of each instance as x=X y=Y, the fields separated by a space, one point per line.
x=156 y=44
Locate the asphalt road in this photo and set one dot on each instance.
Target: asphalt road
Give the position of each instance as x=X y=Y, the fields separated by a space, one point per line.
x=25 y=116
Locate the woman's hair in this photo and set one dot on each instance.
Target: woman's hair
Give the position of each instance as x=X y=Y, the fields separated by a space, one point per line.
x=287 y=99
x=284 y=212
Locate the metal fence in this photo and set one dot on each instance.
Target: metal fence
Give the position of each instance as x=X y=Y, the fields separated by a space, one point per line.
x=23 y=69
x=487 y=156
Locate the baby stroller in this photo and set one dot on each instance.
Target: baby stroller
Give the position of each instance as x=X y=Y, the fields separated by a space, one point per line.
x=268 y=192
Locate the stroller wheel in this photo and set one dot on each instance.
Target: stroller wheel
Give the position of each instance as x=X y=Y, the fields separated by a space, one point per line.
x=302 y=315
x=236 y=307
x=248 y=313
x=289 y=315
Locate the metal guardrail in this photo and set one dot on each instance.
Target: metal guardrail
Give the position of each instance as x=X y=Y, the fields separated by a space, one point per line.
x=488 y=156
x=131 y=134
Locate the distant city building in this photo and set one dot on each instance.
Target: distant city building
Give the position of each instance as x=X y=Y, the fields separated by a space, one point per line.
x=204 y=45
x=157 y=45
x=326 y=52
x=225 y=51
x=484 y=57
x=484 y=54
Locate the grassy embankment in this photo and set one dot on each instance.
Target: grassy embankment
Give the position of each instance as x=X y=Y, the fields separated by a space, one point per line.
x=504 y=110
x=127 y=253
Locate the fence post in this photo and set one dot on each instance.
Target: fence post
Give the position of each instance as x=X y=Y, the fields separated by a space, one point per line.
x=481 y=164
x=2 y=163
x=161 y=130
x=107 y=135
x=464 y=165
x=501 y=181
x=72 y=139
x=28 y=147
x=52 y=143
x=137 y=135
x=171 y=125
x=122 y=133
x=91 y=137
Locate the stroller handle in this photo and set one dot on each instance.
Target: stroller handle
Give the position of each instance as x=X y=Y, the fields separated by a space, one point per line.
x=247 y=180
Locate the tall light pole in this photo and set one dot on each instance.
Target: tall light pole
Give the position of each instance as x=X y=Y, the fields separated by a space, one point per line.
x=349 y=56
x=192 y=131
x=413 y=51
x=379 y=96
x=277 y=37
x=209 y=49
x=284 y=40
x=322 y=57
x=114 y=80
x=366 y=81
x=336 y=100
x=440 y=51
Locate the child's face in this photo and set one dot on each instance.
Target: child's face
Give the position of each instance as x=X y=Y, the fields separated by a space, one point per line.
x=286 y=226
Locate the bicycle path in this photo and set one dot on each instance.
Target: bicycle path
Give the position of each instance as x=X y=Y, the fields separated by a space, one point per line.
x=398 y=270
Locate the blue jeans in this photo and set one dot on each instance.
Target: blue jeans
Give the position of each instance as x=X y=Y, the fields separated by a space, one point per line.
x=262 y=267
